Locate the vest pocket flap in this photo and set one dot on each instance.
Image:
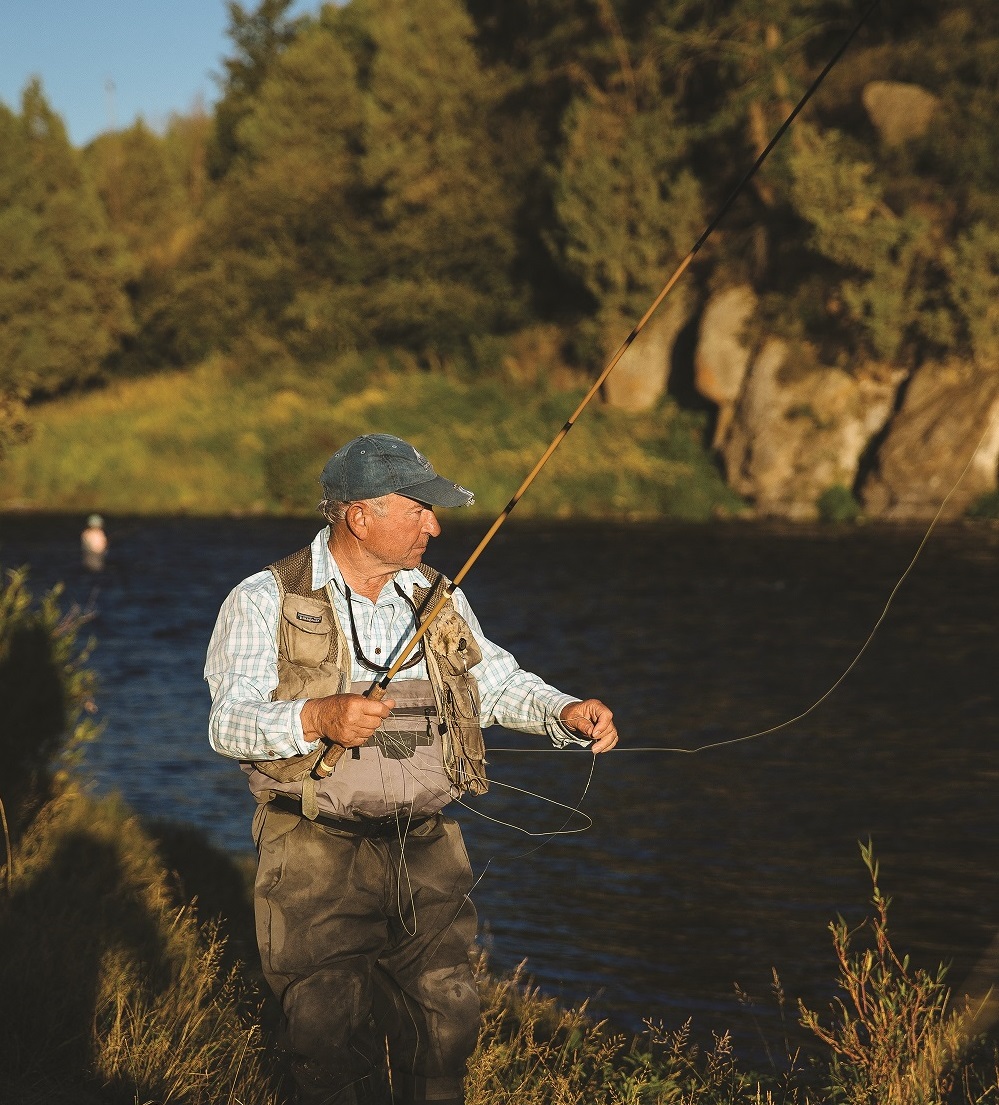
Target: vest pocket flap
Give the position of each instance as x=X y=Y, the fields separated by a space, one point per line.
x=307 y=614
x=306 y=630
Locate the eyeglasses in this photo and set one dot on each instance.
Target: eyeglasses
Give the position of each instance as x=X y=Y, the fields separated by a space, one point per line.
x=359 y=654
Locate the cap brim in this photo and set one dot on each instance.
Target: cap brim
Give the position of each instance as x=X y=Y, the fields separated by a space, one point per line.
x=438 y=492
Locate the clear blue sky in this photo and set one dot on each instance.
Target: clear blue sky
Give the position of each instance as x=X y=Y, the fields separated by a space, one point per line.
x=159 y=56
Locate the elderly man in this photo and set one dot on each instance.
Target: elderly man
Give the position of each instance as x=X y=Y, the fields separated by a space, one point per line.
x=363 y=916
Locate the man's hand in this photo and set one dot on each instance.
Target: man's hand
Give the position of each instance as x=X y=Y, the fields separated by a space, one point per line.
x=591 y=719
x=345 y=719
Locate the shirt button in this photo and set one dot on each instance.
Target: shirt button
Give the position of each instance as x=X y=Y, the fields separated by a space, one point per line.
x=378 y=652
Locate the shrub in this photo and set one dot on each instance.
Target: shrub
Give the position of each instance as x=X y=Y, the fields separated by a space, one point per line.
x=838 y=504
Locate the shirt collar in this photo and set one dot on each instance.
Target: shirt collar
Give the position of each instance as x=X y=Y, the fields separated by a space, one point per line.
x=326 y=570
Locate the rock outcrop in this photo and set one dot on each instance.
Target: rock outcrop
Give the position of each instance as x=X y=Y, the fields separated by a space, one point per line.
x=639 y=379
x=947 y=411
x=798 y=431
x=721 y=359
x=898 y=111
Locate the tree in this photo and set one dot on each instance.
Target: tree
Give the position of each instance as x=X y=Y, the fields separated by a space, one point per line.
x=627 y=209
x=153 y=188
x=431 y=164
x=63 y=309
x=260 y=37
x=366 y=205
x=284 y=246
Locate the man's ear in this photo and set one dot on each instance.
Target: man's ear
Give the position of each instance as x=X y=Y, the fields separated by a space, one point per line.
x=356 y=517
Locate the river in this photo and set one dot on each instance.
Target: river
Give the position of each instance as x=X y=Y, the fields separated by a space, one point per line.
x=699 y=872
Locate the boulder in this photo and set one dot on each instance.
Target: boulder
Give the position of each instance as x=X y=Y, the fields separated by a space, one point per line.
x=721 y=359
x=640 y=377
x=947 y=411
x=899 y=111
x=799 y=430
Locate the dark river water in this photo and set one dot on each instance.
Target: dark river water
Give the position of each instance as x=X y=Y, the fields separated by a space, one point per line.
x=699 y=872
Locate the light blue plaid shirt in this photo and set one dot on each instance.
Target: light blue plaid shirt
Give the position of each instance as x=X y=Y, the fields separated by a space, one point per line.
x=241 y=668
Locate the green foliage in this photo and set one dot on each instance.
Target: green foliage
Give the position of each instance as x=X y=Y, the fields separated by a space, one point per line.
x=259 y=37
x=885 y=258
x=627 y=211
x=220 y=441
x=973 y=267
x=62 y=272
x=430 y=163
x=838 y=504
x=109 y=989
x=154 y=188
x=365 y=205
x=46 y=688
x=14 y=425
x=985 y=506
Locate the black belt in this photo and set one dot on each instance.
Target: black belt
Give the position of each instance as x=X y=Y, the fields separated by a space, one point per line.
x=389 y=826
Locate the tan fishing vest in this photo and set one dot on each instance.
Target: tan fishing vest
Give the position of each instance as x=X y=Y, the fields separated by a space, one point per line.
x=428 y=752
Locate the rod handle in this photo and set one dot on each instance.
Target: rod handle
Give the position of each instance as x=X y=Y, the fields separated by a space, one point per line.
x=331 y=757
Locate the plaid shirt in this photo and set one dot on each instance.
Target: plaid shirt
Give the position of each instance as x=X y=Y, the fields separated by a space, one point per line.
x=241 y=668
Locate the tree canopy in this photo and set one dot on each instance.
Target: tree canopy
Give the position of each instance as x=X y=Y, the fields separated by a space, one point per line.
x=422 y=174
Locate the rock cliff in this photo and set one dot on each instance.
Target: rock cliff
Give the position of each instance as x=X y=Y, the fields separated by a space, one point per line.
x=790 y=429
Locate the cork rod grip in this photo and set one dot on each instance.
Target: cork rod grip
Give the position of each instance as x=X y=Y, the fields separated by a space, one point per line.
x=331 y=757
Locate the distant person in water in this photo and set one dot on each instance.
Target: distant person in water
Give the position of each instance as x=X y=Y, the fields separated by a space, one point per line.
x=94 y=544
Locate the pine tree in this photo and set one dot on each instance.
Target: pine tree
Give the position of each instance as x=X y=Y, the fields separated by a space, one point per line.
x=63 y=309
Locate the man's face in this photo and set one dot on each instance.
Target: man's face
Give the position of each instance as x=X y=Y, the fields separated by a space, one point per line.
x=399 y=537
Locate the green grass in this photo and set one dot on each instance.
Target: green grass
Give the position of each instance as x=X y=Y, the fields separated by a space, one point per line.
x=213 y=441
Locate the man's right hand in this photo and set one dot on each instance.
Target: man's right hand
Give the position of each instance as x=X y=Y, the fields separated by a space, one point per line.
x=345 y=719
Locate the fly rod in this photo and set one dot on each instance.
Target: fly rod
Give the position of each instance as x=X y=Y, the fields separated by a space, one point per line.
x=328 y=761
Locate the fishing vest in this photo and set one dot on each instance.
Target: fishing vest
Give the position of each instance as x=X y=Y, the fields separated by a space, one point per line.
x=429 y=751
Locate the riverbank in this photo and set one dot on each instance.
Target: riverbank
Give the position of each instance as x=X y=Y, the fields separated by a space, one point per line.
x=126 y=978
x=211 y=441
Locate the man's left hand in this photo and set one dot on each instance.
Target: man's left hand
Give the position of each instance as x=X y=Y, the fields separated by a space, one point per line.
x=592 y=719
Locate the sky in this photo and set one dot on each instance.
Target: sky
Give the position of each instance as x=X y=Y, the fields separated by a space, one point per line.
x=103 y=63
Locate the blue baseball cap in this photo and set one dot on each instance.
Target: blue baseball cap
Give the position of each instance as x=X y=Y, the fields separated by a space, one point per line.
x=380 y=464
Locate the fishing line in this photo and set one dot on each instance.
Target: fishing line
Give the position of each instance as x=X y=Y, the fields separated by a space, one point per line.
x=561 y=832
x=429 y=774
x=402 y=865
x=853 y=663
x=429 y=782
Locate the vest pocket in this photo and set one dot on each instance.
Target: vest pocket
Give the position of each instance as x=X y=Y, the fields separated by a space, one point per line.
x=306 y=631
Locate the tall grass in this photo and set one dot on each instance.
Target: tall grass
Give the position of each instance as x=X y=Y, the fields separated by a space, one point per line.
x=215 y=441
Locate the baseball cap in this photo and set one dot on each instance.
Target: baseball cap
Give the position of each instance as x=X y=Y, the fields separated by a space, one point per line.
x=380 y=464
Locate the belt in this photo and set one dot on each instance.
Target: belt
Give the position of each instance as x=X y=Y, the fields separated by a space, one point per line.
x=389 y=826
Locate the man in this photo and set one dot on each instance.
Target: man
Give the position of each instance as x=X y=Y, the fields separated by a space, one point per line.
x=363 y=917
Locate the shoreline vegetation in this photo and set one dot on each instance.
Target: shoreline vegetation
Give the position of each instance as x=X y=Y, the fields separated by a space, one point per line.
x=217 y=440
x=128 y=973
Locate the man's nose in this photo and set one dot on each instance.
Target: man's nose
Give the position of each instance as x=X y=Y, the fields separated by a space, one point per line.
x=430 y=523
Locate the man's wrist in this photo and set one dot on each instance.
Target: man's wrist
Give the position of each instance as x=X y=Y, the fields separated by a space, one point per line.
x=305 y=721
